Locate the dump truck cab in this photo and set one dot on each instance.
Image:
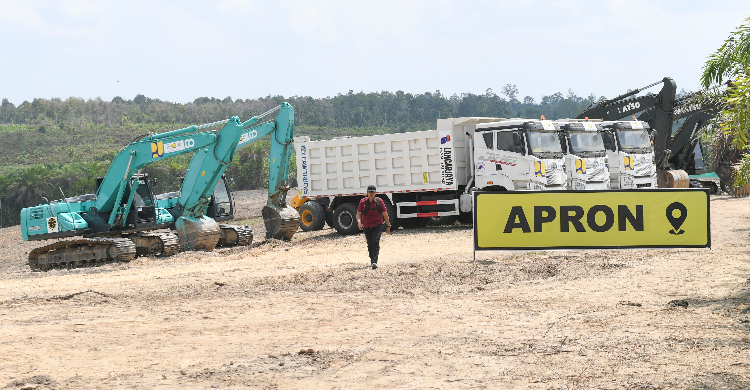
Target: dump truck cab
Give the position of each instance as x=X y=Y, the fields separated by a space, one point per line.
x=632 y=164
x=586 y=161
x=519 y=154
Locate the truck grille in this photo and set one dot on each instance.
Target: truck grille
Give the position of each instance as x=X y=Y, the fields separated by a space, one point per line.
x=643 y=167
x=596 y=174
x=555 y=177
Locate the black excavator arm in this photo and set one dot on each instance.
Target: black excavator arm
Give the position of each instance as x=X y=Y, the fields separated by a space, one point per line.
x=687 y=137
x=659 y=108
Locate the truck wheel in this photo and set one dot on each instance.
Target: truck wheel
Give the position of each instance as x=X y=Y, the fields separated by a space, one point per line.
x=345 y=219
x=312 y=216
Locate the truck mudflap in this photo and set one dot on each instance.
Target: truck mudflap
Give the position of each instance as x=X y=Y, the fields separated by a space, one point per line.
x=80 y=252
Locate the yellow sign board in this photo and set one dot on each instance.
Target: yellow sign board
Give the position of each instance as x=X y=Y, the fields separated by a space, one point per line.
x=659 y=218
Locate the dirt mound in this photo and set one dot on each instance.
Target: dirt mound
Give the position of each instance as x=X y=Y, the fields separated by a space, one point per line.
x=37 y=382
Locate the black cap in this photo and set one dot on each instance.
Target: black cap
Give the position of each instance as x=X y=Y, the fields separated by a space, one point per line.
x=371 y=188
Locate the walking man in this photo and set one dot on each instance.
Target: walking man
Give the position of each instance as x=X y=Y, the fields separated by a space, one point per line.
x=371 y=213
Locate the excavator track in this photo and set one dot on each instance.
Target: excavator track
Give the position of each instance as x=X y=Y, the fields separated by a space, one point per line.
x=81 y=252
x=235 y=235
x=162 y=244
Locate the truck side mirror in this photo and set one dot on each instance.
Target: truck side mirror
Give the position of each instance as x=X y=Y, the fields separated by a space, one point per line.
x=519 y=149
x=516 y=140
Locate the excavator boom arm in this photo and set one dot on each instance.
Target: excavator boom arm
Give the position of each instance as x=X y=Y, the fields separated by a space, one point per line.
x=620 y=109
x=206 y=168
x=139 y=154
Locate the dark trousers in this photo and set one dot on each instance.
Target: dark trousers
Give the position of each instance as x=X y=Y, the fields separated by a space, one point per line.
x=373 y=241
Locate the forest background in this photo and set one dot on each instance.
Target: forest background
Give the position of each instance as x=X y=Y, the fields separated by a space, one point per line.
x=53 y=145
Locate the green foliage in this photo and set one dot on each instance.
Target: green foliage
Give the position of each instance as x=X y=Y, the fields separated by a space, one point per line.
x=249 y=169
x=731 y=59
x=735 y=123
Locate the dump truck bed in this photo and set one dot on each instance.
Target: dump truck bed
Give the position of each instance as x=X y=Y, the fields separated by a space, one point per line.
x=403 y=162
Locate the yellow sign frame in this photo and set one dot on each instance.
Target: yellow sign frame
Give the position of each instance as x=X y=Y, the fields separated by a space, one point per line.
x=615 y=219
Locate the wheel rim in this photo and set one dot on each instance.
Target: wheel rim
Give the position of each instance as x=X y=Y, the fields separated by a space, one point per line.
x=345 y=220
x=307 y=217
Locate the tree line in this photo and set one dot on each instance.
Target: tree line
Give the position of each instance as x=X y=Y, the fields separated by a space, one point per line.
x=396 y=111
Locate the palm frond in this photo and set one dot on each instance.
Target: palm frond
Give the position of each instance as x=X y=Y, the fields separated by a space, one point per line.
x=731 y=59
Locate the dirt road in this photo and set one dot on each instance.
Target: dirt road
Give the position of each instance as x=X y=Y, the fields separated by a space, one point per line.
x=310 y=314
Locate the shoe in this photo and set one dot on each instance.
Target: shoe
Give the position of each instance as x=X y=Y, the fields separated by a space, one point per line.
x=374 y=265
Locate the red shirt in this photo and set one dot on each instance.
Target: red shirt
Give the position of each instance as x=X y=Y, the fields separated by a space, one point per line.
x=373 y=216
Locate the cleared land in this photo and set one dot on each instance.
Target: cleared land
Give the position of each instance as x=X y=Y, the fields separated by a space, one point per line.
x=310 y=314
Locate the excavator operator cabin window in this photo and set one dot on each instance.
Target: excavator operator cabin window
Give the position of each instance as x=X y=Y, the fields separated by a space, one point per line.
x=505 y=141
x=487 y=135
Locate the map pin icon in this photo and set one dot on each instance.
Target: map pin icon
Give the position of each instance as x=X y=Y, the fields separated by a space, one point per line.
x=676 y=222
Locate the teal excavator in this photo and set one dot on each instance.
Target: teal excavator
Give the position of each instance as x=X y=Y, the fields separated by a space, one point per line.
x=122 y=220
x=281 y=220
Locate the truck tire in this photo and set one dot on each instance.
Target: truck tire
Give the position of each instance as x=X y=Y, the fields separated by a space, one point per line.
x=312 y=216
x=345 y=219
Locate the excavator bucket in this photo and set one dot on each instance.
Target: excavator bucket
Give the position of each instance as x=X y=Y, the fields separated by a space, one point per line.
x=673 y=179
x=197 y=234
x=281 y=222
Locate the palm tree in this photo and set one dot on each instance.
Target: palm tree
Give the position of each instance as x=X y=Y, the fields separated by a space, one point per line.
x=732 y=60
x=29 y=185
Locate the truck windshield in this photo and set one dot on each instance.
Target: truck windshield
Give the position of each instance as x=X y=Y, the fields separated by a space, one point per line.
x=634 y=139
x=586 y=142
x=544 y=143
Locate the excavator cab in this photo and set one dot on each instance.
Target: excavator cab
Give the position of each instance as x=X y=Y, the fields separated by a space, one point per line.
x=143 y=210
x=221 y=207
x=142 y=213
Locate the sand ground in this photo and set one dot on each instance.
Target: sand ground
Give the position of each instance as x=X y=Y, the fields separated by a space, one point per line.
x=311 y=314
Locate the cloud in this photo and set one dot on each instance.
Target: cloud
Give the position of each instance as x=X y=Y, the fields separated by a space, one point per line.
x=19 y=13
x=82 y=8
x=239 y=7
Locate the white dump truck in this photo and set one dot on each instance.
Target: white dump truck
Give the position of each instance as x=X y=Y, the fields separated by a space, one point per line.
x=424 y=174
x=631 y=154
x=586 y=161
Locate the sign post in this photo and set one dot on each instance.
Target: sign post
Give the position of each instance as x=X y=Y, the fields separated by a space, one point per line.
x=530 y=220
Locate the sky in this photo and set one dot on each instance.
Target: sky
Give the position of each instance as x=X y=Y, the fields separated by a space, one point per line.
x=180 y=50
